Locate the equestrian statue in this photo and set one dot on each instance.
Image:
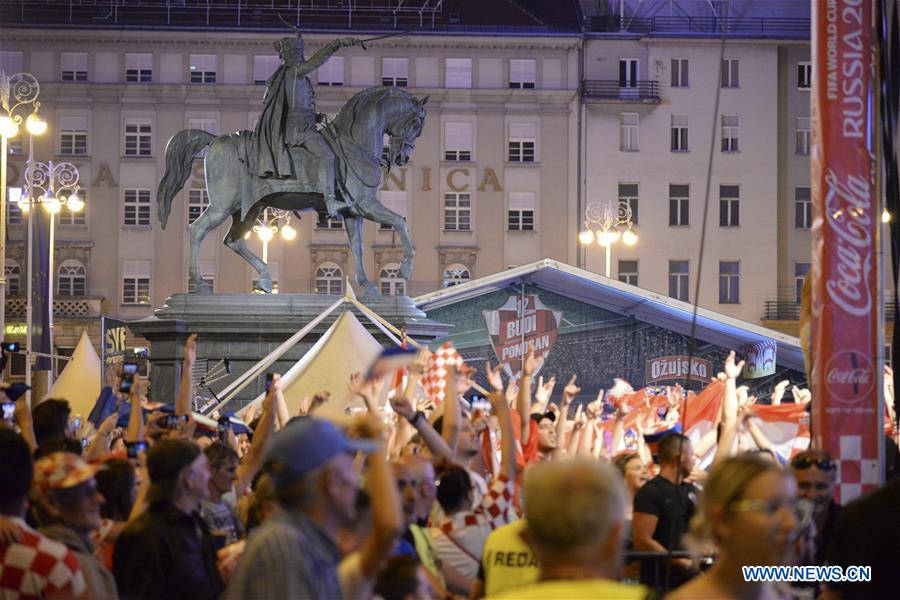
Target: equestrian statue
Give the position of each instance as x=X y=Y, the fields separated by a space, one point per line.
x=296 y=160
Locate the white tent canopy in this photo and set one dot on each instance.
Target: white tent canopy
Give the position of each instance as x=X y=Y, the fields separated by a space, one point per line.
x=344 y=349
x=79 y=383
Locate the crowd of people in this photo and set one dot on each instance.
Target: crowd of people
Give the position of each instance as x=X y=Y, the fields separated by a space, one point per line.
x=528 y=494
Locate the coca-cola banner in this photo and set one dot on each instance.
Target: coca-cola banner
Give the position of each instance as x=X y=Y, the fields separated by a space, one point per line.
x=845 y=238
x=521 y=322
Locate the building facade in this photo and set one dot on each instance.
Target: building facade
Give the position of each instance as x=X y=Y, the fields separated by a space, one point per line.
x=529 y=122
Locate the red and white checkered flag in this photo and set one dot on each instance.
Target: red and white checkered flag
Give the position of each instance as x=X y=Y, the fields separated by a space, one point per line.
x=433 y=381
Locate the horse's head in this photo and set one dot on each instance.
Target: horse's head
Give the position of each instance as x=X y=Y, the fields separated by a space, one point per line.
x=404 y=129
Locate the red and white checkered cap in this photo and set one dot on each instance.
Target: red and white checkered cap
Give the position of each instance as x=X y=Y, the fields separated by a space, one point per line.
x=60 y=470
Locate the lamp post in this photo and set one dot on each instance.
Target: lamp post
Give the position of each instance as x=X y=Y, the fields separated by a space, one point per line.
x=51 y=186
x=608 y=221
x=17 y=91
x=268 y=224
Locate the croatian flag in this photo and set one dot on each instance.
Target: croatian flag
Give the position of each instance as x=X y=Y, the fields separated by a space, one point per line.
x=785 y=425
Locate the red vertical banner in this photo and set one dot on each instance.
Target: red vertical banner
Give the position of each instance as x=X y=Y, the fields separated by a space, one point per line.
x=846 y=299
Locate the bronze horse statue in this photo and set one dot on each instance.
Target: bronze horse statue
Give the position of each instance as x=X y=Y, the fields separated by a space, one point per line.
x=357 y=136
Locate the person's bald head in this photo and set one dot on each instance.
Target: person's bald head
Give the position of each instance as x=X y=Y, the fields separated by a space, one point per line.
x=575 y=511
x=424 y=473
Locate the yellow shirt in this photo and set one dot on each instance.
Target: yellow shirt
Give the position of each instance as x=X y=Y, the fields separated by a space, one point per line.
x=579 y=589
x=507 y=562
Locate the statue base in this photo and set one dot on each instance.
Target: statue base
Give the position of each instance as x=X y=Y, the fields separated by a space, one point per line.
x=244 y=328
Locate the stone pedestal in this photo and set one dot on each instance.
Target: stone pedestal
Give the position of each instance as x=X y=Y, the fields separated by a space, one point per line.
x=246 y=327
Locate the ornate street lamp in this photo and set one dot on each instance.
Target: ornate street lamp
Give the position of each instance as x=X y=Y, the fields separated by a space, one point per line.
x=608 y=221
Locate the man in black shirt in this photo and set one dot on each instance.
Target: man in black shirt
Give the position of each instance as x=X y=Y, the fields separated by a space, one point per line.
x=168 y=551
x=663 y=507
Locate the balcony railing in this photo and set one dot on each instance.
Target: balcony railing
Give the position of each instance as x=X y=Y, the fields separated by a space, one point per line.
x=702 y=26
x=63 y=306
x=782 y=310
x=611 y=89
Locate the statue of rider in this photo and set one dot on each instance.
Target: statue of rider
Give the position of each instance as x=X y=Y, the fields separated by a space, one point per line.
x=288 y=119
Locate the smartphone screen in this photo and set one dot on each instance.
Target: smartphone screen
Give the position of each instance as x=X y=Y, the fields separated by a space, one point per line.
x=126 y=383
x=9 y=410
x=129 y=368
x=11 y=346
x=134 y=448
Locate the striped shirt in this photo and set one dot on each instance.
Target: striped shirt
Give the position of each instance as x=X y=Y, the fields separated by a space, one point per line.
x=289 y=556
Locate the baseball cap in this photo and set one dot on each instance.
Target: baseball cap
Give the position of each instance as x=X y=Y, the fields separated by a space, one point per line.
x=165 y=462
x=60 y=470
x=306 y=444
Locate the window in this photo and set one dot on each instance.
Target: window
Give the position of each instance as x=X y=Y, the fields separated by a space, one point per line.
x=395 y=72
x=207 y=276
x=679 y=278
x=679 y=205
x=729 y=206
x=679 y=72
x=628 y=195
x=138 y=137
x=458 y=73
x=628 y=72
x=521 y=142
x=11 y=62
x=136 y=208
x=520 y=216
x=731 y=73
x=804 y=75
x=628 y=272
x=630 y=129
x=15 y=146
x=458 y=141
x=13 y=278
x=392 y=284
x=801 y=270
x=13 y=212
x=730 y=128
x=203 y=68
x=802 y=146
x=138 y=68
x=72 y=279
x=198 y=200
x=329 y=279
x=395 y=201
x=456 y=274
x=679 y=133
x=67 y=217
x=522 y=73
x=802 y=208
x=323 y=221
x=73 y=135
x=73 y=66
x=332 y=72
x=457 y=212
x=264 y=67
x=136 y=282
x=729 y=282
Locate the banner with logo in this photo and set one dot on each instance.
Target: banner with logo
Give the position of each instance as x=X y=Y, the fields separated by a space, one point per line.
x=760 y=359
x=846 y=305
x=675 y=369
x=112 y=353
x=513 y=327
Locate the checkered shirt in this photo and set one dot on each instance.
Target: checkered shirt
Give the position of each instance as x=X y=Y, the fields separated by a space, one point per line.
x=433 y=381
x=38 y=567
x=471 y=528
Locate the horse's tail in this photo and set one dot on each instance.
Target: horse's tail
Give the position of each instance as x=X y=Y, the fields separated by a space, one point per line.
x=180 y=153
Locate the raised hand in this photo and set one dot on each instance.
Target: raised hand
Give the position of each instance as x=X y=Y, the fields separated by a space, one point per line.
x=544 y=389
x=732 y=369
x=190 y=349
x=571 y=390
x=778 y=392
x=529 y=364
x=493 y=376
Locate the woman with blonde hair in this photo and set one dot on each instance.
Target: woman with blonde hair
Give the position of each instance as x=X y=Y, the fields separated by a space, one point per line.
x=748 y=512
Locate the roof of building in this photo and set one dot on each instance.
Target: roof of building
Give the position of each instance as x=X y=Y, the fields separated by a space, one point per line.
x=467 y=17
x=625 y=299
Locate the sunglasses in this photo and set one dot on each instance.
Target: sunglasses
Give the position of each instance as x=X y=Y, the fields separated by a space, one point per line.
x=823 y=463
